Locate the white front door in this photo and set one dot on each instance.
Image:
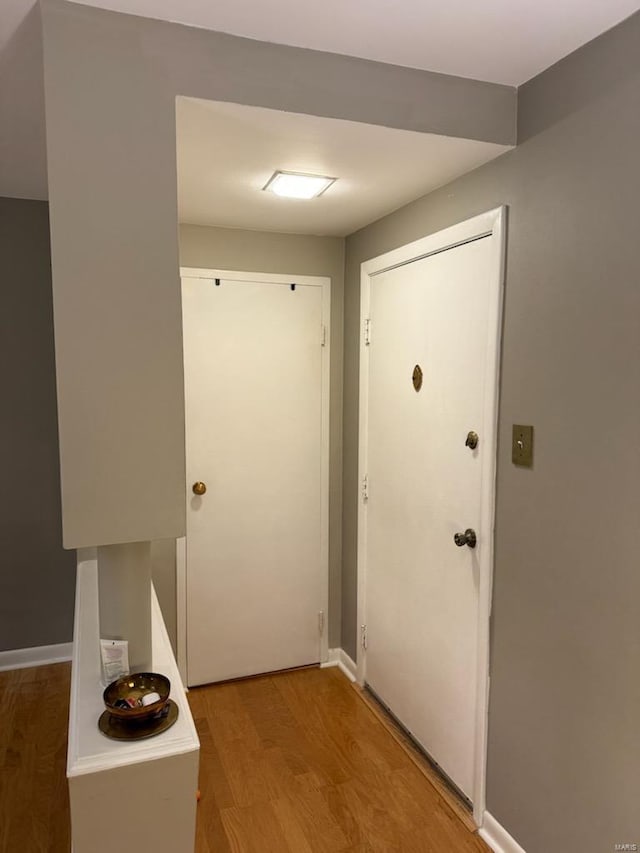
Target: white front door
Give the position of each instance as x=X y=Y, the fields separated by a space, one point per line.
x=434 y=316
x=256 y=570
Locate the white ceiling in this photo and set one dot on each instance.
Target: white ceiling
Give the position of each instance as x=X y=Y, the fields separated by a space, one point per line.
x=228 y=152
x=502 y=41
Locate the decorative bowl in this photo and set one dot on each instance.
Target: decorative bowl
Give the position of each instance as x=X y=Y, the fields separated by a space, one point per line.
x=132 y=688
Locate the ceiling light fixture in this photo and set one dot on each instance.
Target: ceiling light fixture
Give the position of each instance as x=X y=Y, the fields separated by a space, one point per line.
x=298 y=185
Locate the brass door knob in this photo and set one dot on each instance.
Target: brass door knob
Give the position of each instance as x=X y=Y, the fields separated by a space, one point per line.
x=199 y=488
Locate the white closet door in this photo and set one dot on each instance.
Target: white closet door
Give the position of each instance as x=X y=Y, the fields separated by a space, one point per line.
x=255 y=574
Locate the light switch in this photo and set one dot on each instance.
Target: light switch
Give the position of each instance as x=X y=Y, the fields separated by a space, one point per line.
x=522 y=446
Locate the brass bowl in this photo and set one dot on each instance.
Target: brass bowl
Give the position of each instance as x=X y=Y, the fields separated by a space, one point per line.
x=135 y=686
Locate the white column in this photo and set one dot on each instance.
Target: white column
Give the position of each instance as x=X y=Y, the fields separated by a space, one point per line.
x=124 y=589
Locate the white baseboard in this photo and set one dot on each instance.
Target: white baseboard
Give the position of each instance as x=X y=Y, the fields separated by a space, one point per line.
x=339 y=658
x=37 y=656
x=497 y=836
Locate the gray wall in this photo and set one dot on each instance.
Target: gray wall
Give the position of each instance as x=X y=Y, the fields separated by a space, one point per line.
x=37 y=578
x=23 y=151
x=116 y=290
x=564 y=738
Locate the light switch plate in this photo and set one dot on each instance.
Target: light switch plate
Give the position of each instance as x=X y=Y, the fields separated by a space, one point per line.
x=522 y=446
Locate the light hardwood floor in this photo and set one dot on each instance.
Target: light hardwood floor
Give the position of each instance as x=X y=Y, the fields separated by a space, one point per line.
x=295 y=762
x=298 y=762
x=34 y=805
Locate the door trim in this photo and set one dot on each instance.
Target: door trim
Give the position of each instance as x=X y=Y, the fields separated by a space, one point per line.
x=181 y=551
x=490 y=225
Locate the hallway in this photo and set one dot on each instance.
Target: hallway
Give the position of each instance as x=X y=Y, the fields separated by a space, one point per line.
x=298 y=762
x=290 y=763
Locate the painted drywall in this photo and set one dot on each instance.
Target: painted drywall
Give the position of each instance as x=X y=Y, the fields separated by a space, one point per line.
x=110 y=87
x=163 y=575
x=23 y=154
x=564 y=749
x=37 y=578
x=268 y=252
x=116 y=297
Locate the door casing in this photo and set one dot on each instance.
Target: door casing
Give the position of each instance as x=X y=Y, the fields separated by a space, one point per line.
x=181 y=560
x=491 y=225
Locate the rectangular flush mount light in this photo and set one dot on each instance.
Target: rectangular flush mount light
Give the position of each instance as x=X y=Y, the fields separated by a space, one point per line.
x=298 y=185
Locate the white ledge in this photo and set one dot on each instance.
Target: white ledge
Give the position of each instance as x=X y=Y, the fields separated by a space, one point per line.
x=89 y=751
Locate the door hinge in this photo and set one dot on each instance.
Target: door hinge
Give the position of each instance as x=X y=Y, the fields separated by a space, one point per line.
x=363 y=636
x=367 y=332
x=323 y=336
x=365 y=487
x=321 y=621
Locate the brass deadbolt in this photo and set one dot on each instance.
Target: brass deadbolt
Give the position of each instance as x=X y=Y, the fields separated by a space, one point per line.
x=472 y=440
x=199 y=488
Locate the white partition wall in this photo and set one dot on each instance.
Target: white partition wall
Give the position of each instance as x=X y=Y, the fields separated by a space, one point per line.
x=124 y=591
x=126 y=794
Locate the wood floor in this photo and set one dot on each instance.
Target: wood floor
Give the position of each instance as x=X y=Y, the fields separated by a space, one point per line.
x=290 y=763
x=298 y=762
x=34 y=805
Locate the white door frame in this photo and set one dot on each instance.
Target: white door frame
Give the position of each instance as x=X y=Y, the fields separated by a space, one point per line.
x=181 y=549
x=492 y=226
